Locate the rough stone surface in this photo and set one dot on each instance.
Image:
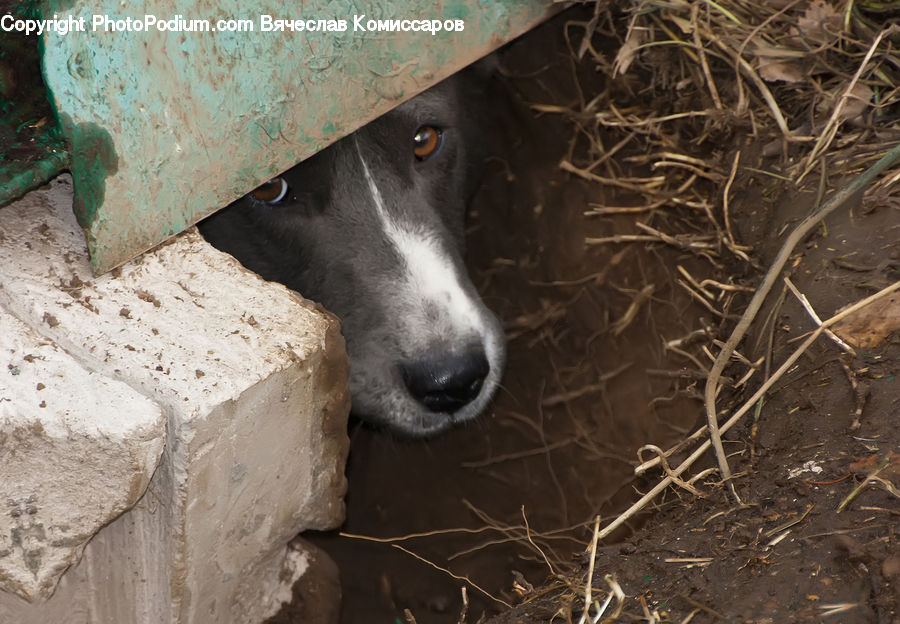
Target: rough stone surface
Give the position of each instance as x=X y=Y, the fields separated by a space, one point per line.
x=252 y=379
x=76 y=450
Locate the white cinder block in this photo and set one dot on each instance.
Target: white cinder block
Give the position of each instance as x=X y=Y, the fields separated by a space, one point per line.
x=76 y=450
x=252 y=381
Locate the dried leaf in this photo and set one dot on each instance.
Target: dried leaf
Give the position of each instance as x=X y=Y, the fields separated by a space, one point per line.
x=778 y=63
x=771 y=70
x=684 y=25
x=820 y=23
x=857 y=101
x=888 y=464
x=628 y=51
x=871 y=325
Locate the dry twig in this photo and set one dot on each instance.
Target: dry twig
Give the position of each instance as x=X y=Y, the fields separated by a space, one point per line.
x=456 y=576
x=836 y=201
x=687 y=463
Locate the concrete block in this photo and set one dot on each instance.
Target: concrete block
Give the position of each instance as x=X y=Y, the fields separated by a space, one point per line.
x=252 y=380
x=76 y=450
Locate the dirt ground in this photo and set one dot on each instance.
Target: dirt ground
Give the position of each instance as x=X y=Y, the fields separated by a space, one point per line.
x=789 y=553
x=608 y=352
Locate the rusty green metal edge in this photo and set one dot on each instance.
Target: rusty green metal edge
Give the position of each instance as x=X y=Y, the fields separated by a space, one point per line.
x=32 y=150
x=165 y=128
x=15 y=183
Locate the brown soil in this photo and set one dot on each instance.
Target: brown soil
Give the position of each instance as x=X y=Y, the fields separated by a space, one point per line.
x=508 y=503
x=787 y=554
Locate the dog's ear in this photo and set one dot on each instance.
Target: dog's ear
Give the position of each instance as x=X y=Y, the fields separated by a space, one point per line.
x=485 y=68
x=475 y=93
x=473 y=80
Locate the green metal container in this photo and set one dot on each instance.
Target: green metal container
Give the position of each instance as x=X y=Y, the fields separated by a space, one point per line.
x=166 y=112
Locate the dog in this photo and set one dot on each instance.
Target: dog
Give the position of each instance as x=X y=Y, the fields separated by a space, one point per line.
x=372 y=228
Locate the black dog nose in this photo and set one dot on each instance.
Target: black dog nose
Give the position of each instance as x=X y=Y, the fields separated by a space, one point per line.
x=445 y=384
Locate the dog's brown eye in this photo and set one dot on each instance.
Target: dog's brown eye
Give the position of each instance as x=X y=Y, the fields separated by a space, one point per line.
x=272 y=191
x=426 y=142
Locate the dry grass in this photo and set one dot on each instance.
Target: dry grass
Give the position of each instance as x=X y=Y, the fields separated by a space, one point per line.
x=698 y=92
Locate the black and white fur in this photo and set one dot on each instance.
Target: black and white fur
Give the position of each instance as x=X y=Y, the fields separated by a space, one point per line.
x=375 y=234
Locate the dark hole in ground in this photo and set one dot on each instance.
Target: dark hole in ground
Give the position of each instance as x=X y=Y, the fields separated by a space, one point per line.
x=507 y=502
x=511 y=499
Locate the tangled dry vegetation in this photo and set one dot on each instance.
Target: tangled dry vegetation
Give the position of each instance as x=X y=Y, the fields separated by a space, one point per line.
x=697 y=94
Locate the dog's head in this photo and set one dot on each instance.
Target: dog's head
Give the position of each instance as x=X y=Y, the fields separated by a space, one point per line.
x=372 y=228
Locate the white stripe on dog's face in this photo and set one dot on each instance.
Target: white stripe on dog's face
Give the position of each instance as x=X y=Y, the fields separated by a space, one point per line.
x=431 y=276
